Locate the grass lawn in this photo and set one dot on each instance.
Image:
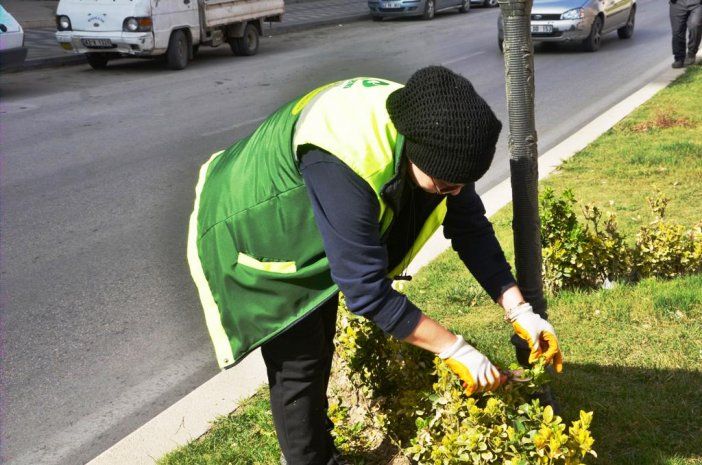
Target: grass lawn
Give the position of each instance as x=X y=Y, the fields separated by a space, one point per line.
x=633 y=353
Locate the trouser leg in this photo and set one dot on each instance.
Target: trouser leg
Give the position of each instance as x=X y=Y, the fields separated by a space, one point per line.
x=678 y=25
x=693 y=41
x=694 y=21
x=298 y=364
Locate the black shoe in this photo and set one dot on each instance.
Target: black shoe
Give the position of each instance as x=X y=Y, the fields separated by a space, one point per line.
x=678 y=64
x=689 y=60
x=546 y=397
x=544 y=394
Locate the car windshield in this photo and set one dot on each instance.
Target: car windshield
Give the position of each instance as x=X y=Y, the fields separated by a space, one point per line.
x=8 y=21
x=560 y=4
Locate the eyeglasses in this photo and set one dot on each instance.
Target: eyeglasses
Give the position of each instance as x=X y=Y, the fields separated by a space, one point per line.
x=447 y=188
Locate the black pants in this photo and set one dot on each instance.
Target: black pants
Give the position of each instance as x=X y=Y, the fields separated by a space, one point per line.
x=298 y=363
x=685 y=18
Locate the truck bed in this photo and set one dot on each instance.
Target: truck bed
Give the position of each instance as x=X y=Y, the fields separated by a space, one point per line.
x=222 y=12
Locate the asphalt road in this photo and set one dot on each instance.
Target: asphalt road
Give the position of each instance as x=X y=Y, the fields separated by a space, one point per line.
x=101 y=324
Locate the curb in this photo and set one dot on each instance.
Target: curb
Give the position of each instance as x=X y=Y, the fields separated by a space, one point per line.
x=37 y=23
x=320 y=23
x=52 y=62
x=190 y=417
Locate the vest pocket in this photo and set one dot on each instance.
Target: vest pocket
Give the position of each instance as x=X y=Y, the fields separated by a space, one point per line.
x=272 y=267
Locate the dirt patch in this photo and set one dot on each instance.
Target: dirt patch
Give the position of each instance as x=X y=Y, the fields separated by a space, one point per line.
x=663 y=120
x=368 y=445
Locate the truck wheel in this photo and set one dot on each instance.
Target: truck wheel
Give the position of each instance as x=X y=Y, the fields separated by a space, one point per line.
x=177 y=54
x=246 y=45
x=97 y=60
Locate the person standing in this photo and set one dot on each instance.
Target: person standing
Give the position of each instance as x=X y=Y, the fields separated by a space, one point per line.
x=335 y=192
x=685 y=22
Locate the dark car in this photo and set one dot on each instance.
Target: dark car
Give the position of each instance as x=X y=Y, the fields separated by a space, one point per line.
x=485 y=3
x=425 y=8
x=578 y=21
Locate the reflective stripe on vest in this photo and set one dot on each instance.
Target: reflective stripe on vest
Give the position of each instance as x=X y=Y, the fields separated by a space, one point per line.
x=220 y=340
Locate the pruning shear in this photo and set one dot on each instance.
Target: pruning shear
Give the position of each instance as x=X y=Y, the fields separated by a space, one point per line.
x=517 y=375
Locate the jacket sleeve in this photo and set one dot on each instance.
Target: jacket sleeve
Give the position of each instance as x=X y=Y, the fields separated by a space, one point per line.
x=346 y=211
x=473 y=238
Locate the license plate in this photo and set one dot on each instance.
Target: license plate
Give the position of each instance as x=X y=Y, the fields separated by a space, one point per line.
x=542 y=28
x=392 y=5
x=97 y=43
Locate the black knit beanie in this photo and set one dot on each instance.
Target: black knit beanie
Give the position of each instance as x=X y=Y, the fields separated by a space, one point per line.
x=450 y=131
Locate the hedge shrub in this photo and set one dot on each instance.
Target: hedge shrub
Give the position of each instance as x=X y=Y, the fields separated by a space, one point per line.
x=592 y=253
x=405 y=395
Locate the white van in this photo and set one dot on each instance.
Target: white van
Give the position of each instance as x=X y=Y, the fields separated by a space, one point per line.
x=12 y=49
x=106 y=29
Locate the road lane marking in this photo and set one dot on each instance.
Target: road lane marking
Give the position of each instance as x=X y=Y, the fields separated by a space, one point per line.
x=465 y=57
x=233 y=127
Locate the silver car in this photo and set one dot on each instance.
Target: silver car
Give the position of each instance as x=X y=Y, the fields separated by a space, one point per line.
x=380 y=9
x=578 y=21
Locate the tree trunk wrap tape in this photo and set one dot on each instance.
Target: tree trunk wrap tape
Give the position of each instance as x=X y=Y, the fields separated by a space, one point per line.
x=522 y=144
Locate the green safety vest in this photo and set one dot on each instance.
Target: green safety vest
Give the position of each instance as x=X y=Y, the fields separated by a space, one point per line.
x=254 y=250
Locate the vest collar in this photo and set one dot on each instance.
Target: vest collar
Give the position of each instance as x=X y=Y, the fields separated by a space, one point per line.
x=397 y=187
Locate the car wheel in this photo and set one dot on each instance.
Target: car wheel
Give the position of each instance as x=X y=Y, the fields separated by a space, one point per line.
x=97 y=60
x=465 y=7
x=626 y=31
x=592 y=43
x=490 y=3
x=377 y=18
x=177 y=53
x=428 y=9
x=246 y=45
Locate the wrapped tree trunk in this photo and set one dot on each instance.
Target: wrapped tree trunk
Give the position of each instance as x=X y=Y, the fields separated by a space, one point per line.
x=519 y=75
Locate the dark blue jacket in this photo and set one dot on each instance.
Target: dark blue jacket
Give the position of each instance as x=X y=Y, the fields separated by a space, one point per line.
x=346 y=211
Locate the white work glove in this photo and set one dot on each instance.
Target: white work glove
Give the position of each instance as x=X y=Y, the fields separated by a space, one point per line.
x=475 y=370
x=538 y=333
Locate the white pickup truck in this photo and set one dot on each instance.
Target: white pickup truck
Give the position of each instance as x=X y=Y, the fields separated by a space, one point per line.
x=106 y=29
